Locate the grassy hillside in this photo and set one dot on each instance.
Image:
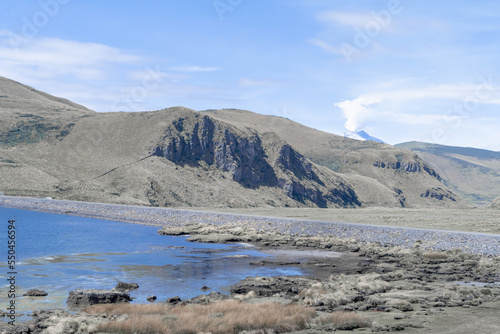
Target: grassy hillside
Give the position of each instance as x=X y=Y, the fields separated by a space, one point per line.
x=381 y=174
x=470 y=172
x=180 y=157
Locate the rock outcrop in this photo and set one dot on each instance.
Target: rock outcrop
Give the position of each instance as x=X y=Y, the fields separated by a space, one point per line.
x=35 y=293
x=126 y=287
x=190 y=141
x=252 y=159
x=81 y=298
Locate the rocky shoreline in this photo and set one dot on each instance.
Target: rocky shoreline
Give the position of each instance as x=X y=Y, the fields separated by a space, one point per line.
x=475 y=243
x=416 y=285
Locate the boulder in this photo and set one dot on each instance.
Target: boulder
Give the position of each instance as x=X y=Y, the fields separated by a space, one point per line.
x=174 y=300
x=151 y=298
x=126 y=287
x=80 y=298
x=35 y=293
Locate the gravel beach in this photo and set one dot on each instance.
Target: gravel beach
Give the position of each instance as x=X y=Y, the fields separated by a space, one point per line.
x=475 y=243
x=382 y=278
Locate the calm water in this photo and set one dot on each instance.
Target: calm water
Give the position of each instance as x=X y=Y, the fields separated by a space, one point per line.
x=59 y=253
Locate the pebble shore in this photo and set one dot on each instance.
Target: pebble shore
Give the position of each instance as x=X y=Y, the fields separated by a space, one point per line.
x=475 y=243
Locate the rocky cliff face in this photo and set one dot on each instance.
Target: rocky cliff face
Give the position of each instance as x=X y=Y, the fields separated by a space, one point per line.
x=192 y=141
x=252 y=160
x=414 y=166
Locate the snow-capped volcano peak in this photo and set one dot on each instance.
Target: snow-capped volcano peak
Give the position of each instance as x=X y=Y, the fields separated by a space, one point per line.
x=361 y=135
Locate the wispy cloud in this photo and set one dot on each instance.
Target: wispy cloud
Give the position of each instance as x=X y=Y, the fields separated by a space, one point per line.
x=461 y=99
x=194 y=69
x=349 y=19
x=45 y=58
x=98 y=76
x=257 y=82
x=325 y=45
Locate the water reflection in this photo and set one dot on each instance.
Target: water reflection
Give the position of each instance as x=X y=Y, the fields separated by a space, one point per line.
x=62 y=253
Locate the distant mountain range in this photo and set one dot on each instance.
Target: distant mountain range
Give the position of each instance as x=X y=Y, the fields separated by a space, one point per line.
x=178 y=157
x=473 y=173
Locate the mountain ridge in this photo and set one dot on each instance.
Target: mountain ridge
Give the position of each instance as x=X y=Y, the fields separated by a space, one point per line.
x=222 y=158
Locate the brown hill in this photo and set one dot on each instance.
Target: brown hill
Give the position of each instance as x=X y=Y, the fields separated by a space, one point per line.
x=470 y=172
x=181 y=157
x=28 y=115
x=380 y=174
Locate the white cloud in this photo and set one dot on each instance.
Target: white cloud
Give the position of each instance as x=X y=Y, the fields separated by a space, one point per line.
x=45 y=58
x=350 y=19
x=417 y=118
x=256 y=82
x=461 y=101
x=150 y=72
x=325 y=46
x=358 y=111
x=195 y=69
x=98 y=76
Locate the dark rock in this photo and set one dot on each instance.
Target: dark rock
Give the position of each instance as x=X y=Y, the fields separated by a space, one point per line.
x=151 y=298
x=204 y=288
x=18 y=328
x=126 y=287
x=79 y=298
x=35 y=293
x=174 y=300
x=439 y=194
x=274 y=263
x=210 y=298
x=268 y=286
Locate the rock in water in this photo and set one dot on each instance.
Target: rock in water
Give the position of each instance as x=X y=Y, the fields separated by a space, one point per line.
x=35 y=293
x=126 y=287
x=94 y=296
x=174 y=300
x=151 y=298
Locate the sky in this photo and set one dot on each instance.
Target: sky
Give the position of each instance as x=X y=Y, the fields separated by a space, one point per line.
x=400 y=70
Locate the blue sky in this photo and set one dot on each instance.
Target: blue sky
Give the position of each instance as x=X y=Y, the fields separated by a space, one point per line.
x=399 y=69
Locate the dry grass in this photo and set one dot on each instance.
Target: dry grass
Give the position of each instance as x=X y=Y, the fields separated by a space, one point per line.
x=342 y=289
x=435 y=255
x=345 y=320
x=220 y=317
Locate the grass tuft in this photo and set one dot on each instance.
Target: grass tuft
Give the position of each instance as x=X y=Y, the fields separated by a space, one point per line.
x=222 y=317
x=345 y=320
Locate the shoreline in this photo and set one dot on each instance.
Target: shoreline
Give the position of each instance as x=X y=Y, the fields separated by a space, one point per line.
x=405 y=237
x=413 y=281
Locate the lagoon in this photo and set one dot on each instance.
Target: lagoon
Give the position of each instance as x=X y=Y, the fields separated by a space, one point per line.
x=60 y=253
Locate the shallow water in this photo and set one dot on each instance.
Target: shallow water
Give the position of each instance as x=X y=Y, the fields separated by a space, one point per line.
x=59 y=253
